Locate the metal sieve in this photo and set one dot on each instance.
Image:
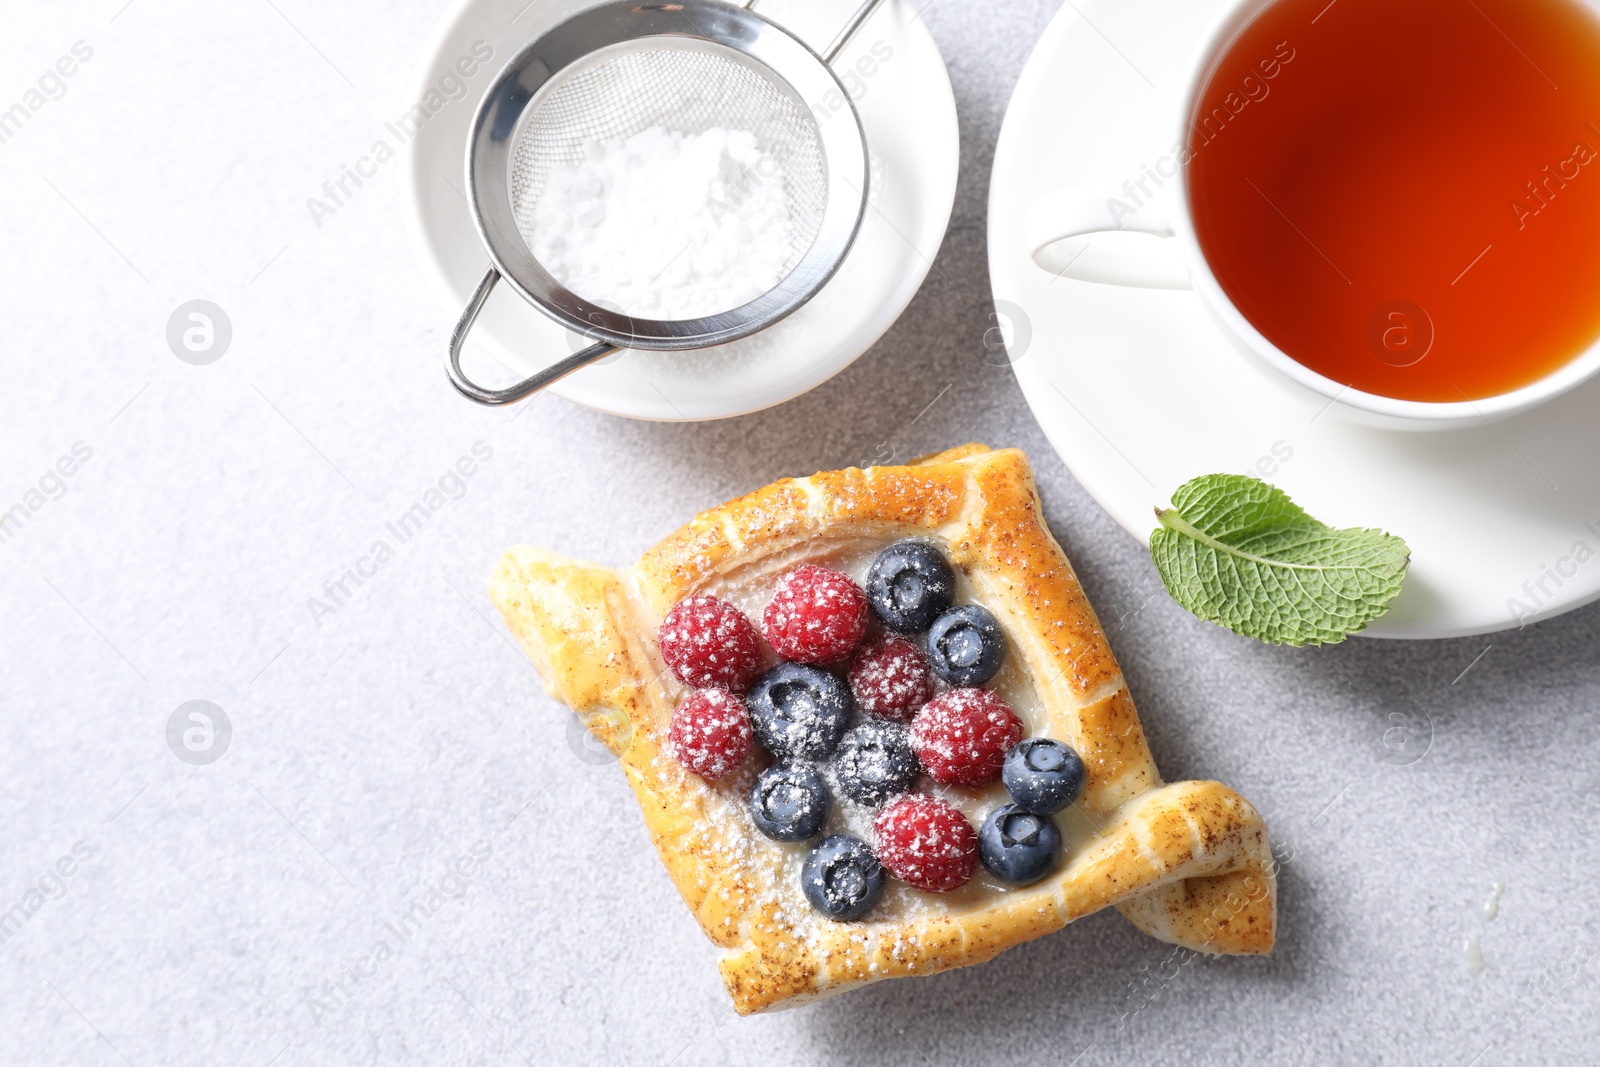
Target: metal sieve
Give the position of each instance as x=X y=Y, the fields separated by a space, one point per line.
x=620 y=68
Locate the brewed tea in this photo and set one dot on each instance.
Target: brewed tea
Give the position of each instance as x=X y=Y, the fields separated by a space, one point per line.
x=1404 y=195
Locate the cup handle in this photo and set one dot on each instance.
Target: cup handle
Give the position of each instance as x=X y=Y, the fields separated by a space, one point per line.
x=1082 y=211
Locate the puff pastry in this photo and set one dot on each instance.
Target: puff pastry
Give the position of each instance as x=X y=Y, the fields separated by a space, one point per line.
x=1186 y=862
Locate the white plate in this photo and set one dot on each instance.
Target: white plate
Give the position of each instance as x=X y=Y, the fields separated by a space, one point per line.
x=1139 y=392
x=909 y=115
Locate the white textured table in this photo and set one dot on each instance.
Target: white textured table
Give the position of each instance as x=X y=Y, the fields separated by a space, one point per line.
x=229 y=912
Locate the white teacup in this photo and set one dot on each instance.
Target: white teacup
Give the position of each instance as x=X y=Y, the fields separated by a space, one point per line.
x=1055 y=220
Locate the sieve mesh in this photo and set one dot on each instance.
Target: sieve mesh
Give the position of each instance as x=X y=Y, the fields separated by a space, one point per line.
x=685 y=89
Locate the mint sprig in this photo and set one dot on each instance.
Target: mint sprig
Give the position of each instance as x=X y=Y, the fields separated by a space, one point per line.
x=1238 y=552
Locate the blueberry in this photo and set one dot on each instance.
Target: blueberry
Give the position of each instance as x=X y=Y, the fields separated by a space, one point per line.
x=1043 y=775
x=1017 y=845
x=790 y=802
x=799 y=712
x=909 y=585
x=875 y=761
x=842 y=878
x=965 y=646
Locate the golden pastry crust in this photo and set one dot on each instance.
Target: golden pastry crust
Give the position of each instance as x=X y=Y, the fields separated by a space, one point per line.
x=1187 y=863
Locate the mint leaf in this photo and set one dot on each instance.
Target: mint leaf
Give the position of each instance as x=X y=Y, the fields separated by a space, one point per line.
x=1238 y=552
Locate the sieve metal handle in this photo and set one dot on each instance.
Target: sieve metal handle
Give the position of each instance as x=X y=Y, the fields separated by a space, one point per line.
x=862 y=14
x=528 y=386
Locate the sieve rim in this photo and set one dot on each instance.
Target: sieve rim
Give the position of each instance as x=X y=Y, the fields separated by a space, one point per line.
x=791 y=65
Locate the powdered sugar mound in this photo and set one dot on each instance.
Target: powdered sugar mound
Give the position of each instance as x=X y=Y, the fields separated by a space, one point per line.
x=666 y=225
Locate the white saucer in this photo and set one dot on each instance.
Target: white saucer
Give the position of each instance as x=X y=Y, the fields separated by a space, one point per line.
x=909 y=114
x=1139 y=392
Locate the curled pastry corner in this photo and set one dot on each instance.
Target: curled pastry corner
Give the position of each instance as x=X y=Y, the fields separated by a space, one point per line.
x=1187 y=863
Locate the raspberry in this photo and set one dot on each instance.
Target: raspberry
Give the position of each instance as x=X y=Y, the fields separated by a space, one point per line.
x=925 y=842
x=890 y=678
x=710 y=733
x=817 y=615
x=709 y=644
x=962 y=736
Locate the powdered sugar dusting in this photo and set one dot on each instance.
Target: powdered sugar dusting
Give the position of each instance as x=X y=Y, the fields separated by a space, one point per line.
x=962 y=736
x=773 y=868
x=890 y=677
x=926 y=842
x=710 y=733
x=710 y=644
x=816 y=615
